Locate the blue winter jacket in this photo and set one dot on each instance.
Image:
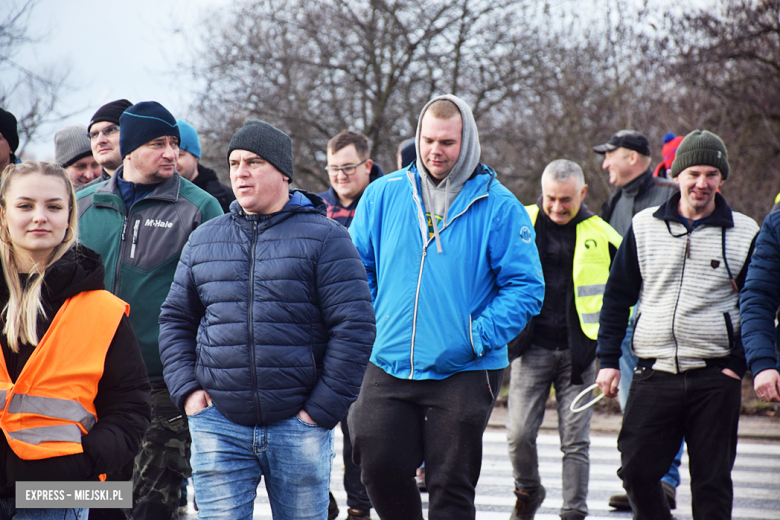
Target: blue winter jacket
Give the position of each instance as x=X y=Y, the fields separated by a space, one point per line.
x=760 y=299
x=270 y=314
x=442 y=313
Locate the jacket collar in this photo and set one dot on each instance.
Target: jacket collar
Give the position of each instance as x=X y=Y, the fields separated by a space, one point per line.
x=477 y=185
x=317 y=206
x=584 y=213
x=640 y=184
x=205 y=176
x=167 y=190
x=721 y=217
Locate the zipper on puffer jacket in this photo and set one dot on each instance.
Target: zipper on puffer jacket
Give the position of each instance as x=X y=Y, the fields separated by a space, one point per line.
x=250 y=328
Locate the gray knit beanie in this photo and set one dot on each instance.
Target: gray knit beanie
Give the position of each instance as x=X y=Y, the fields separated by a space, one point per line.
x=701 y=148
x=268 y=142
x=71 y=144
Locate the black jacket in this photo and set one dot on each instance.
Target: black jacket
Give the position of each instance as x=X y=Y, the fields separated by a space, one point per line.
x=123 y=400
x=582 y=348
x=208 y=181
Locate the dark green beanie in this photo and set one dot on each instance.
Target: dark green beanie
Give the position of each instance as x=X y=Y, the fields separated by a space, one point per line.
x=701 y=148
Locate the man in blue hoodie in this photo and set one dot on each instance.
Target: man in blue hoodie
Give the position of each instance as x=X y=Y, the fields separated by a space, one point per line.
x=454 y=274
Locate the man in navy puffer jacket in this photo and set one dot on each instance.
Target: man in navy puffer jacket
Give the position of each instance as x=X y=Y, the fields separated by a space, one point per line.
x=265 y=336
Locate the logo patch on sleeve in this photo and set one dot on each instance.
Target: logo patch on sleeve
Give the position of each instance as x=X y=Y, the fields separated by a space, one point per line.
x=525 y=234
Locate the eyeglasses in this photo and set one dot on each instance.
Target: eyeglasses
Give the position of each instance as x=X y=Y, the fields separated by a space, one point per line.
x=108 y=132
x=348 y=170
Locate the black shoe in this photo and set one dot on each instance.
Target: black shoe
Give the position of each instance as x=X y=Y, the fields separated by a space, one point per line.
x=620 y=502
x=357 y=514
x=333 y=507
x=527 y=504
x=573 y=515
x=671 y=494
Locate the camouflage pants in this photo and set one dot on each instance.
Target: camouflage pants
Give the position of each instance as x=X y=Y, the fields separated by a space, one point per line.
x=164 y=461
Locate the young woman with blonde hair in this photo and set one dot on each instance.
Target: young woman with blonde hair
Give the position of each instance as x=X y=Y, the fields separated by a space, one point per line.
x=74 y=394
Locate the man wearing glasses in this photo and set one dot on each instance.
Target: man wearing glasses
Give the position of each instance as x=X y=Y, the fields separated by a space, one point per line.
x=103 y=132
x=350 y=171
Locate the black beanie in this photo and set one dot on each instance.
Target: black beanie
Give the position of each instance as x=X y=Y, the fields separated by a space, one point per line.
x=8 y=129
x=143 y=122
x=701 y=148
x=268 y=142
x=109 y=112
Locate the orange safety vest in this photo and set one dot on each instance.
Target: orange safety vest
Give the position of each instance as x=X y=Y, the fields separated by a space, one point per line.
x=52 y=404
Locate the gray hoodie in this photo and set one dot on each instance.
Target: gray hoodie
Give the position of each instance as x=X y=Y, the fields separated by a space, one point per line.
x=438 y=199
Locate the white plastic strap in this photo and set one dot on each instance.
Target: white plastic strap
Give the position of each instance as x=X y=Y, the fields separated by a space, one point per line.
x=581 y=395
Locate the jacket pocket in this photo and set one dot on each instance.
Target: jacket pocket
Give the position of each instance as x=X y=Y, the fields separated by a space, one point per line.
x=729 y=329
x=471 y=339
x=633 y=332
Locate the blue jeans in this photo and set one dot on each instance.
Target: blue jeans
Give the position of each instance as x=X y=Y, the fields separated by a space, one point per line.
x=533 y=374
x=8 y=511
x=228 y=461
x=628 y=363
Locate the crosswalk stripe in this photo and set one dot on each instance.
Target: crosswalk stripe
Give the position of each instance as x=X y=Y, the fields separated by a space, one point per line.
x=756 y=479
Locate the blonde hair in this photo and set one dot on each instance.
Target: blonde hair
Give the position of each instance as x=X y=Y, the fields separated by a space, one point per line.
x=24 y=303
x=443 y=109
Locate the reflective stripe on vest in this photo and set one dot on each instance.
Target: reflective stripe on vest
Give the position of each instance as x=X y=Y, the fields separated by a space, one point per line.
x=52 y=407
x=62 y=433
x=590 y=267
x=51 y=404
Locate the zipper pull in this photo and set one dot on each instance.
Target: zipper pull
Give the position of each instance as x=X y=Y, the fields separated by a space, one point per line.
x=688 y=247
x=124 y=228
x=734 y=285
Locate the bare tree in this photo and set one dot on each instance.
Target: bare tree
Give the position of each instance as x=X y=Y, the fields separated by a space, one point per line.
x=726 y=69
x=33 y=95
x=315 y=68
x=544 y=80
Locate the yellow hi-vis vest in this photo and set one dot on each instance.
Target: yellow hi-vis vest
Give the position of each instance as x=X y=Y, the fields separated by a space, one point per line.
x=51 y=405
x=591 y=267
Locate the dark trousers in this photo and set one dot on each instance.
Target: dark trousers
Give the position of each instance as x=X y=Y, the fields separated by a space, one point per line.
x=357 y=496
x=398 y=423
x=164 y=461
x=701 y=405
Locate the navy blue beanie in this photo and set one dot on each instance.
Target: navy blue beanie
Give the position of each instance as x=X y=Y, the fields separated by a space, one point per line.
x=144 y=122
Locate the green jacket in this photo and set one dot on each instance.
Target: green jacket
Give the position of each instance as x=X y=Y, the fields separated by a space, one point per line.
x=141 y=247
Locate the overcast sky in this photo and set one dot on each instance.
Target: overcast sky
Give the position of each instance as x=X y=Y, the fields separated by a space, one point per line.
x=136 y=50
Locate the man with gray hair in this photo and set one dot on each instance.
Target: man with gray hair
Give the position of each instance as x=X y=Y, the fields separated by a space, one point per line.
x=576 y=249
